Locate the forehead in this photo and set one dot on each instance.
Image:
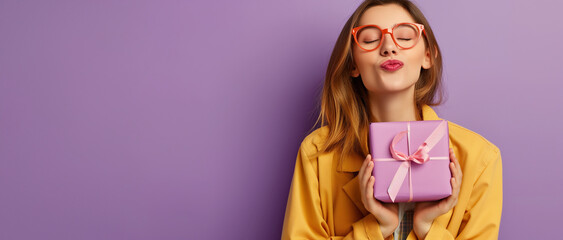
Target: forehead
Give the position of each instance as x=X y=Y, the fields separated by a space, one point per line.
x=385 y=16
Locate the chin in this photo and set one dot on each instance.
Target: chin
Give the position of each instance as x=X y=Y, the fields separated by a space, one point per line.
x=395 y=86
x=388 y=84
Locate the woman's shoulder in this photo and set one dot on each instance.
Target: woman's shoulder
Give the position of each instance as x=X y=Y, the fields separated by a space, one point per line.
x=471 y=143
x=312 y=142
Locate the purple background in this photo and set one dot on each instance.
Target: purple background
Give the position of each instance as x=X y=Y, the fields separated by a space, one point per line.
x=182 y=119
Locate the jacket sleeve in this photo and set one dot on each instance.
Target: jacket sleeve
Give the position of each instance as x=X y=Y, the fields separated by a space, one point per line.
x=482 y=216
x=304 y=218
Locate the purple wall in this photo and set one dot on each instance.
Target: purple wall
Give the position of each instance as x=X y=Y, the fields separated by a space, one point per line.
x=182 y=119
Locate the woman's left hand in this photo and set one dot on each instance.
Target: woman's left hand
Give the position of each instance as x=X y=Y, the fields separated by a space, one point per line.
x=426 y=212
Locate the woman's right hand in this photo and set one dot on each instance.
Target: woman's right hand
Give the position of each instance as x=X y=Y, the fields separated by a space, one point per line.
x=386 y=213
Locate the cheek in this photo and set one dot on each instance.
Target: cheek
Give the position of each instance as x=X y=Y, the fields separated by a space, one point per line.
x=417 y=56
x=415 y=60
x=364 y=61
x=359 y=57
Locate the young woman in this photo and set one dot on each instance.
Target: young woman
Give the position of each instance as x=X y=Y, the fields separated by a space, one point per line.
x=386 y=66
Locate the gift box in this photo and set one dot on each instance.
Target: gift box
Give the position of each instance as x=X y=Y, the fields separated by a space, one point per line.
x=411 y=160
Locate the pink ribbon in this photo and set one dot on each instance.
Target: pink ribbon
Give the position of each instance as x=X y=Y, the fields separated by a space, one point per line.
x=420 y=157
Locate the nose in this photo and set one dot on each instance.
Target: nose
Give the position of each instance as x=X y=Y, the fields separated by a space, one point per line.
x=388 y=47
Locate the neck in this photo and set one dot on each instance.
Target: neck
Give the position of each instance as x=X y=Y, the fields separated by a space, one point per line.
x=394 y=107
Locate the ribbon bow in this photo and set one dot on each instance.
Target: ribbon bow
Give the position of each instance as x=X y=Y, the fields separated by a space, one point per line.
x=420 y=157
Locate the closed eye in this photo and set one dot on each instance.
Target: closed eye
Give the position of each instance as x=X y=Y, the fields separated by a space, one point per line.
x=368 y=42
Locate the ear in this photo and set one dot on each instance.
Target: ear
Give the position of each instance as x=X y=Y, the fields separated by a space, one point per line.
x=427 y=62
x=355 y=72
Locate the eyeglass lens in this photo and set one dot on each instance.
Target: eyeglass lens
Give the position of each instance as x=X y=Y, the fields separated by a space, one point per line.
x=405 y=36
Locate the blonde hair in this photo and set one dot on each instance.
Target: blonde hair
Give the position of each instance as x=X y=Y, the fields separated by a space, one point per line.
x=344 y=105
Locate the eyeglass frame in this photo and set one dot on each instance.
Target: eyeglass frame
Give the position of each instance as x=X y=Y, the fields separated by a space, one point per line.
x=419 y=26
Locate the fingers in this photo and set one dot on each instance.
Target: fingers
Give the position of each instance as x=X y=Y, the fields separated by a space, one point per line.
x=362 y=180
x=453 y=170
x=364 y=176
x=457 y=185
x=455 y=182
x=366 y=185
x=452 y=200
x=364 y=165
x=369 y=187
x=459 y=173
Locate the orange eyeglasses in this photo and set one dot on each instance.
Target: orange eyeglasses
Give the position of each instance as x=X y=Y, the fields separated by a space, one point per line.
x=405 y=35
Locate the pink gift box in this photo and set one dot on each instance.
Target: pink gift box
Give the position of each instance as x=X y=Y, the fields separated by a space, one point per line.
x=411 y=160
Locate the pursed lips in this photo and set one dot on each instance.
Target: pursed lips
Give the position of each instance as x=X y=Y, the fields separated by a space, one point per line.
x=392 y=65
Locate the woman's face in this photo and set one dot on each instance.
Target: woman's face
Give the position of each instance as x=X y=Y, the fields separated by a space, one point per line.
x=368 y=65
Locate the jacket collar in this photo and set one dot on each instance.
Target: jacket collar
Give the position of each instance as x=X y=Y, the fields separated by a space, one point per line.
x=354 y=163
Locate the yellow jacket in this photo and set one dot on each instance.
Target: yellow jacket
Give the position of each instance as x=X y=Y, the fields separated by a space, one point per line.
x=324 y=199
